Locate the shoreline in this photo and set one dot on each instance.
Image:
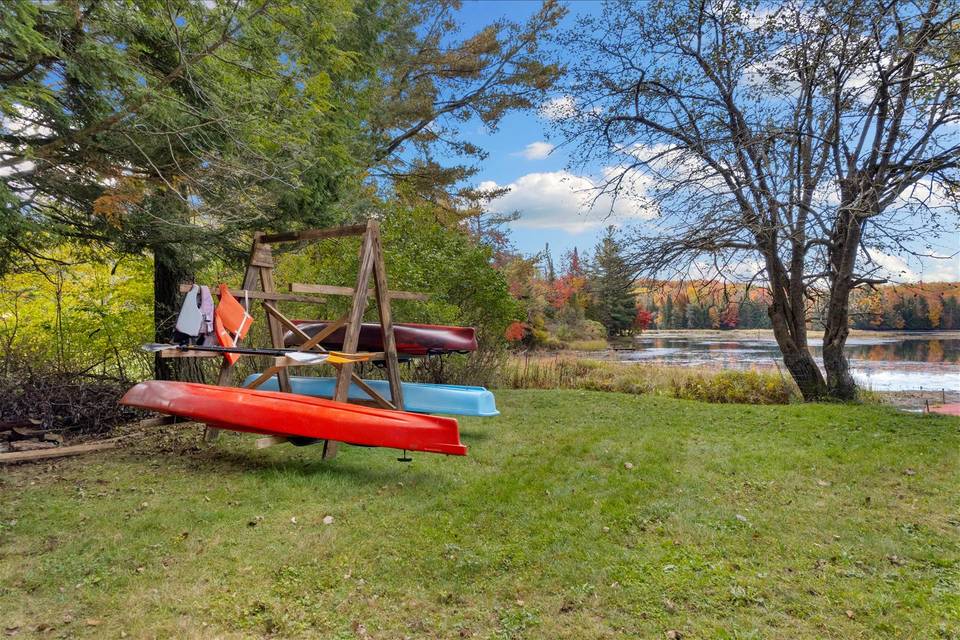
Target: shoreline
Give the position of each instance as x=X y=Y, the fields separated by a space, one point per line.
x=908 y=399
x=949 y=334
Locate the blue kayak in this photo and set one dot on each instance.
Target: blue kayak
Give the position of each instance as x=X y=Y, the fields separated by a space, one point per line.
x=417 y=397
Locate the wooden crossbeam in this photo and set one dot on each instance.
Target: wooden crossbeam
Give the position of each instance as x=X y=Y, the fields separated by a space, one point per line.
x=314 y=234
x=274 y=296
x=382 y=402
x=285 y=321
x=266 y=375
x=289 y=324
x=298 y=287
x=386 y=318
x=327 y=331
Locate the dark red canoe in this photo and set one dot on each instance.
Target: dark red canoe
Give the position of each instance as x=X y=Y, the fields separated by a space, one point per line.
x=287 y=414
x=412 y=339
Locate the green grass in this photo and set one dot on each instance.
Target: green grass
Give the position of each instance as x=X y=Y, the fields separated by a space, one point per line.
x=587 y=345
x=734 y=522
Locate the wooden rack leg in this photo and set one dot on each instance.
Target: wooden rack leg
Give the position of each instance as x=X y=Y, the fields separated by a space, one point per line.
x=352 y=335
x=386 y=320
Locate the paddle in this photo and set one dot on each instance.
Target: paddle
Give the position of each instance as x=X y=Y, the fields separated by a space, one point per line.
x=300 y=356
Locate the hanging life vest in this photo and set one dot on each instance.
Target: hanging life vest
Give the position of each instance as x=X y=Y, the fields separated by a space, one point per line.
x=231 y=322
x=190 y=320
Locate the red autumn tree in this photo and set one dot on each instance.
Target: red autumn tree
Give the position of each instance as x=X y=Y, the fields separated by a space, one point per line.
x=643 y=320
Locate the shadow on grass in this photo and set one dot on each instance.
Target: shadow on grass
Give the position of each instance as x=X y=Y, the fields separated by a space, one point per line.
x=351 y=464
x=474 y=435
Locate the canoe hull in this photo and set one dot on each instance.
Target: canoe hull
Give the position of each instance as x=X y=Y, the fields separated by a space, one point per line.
x=412 y=339
x=417 y=397
x=287 y=414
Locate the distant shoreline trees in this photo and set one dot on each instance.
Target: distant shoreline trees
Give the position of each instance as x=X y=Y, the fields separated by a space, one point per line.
x=575 y=304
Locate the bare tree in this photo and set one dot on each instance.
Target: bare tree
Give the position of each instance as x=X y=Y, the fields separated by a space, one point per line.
x=793 y=146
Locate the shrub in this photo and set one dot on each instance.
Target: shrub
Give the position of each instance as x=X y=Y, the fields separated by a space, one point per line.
x=744 y=387
x=588 y=345
x=73 y=401
x=752 y=387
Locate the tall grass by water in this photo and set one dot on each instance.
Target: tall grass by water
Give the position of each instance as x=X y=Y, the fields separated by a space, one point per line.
x=709 y=385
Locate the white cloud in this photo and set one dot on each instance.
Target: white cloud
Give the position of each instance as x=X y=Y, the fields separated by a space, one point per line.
x=745 y=269
x=558 y=108
x=536 y=150
x=24 y=126
x=890 y=266
x=562 y=200
x=926 y=191
x=945 y=269
x=759 y=16
x=936 y=268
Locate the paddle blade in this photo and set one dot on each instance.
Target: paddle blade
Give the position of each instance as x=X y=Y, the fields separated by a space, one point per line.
x=335 y=357
x=154 y=347
x=306 y=357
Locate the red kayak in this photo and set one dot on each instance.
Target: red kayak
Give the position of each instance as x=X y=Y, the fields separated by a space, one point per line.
x=412 y=339
x=286 y=414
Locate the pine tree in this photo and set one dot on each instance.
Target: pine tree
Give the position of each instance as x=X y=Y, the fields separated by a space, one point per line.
x=666 y=316
x=613 y=304
x=548 y=259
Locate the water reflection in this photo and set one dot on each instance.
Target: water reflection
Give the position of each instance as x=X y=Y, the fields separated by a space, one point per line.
x=882 y=362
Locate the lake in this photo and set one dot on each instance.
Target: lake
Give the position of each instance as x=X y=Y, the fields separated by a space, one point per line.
x=882 y=361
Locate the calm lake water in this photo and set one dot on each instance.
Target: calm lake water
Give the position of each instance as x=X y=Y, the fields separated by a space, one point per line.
x=882 y=362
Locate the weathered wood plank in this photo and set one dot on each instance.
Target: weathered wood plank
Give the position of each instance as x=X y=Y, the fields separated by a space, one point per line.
x=328 y=289
x=273 y=321
x=30 y=445
x=263 y=377
x=378 y=399
x=386 y=320
x=314 y=234
x=267 y=295
x=58 y=452
x=250 y=278
x=352 y=335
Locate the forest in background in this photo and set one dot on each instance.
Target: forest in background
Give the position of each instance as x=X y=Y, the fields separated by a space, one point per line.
x=585 y=299
x=90 y=316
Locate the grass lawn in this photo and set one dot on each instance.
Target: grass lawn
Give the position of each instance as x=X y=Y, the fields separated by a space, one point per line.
x=576 y=515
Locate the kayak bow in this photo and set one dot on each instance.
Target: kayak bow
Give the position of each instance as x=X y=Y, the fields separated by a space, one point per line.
x=287 y=414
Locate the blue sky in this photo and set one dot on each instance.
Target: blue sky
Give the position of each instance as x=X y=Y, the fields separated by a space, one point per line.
x=545 y=190
x=510 y=158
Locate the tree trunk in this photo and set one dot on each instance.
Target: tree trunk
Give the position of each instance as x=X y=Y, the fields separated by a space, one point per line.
x=845 y=242
x=789 y=322
x=168 y=273
x=796 y=355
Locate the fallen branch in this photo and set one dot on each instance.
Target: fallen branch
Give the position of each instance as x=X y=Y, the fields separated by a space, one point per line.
x=60 y=452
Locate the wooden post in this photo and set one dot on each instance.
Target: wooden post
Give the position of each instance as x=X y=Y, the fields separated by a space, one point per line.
x=386 y=317
x=352 y=335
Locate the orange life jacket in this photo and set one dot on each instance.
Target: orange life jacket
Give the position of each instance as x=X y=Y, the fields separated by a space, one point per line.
x=231 y=322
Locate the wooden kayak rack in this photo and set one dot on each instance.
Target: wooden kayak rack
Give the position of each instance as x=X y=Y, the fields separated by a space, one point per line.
x=258 y=284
